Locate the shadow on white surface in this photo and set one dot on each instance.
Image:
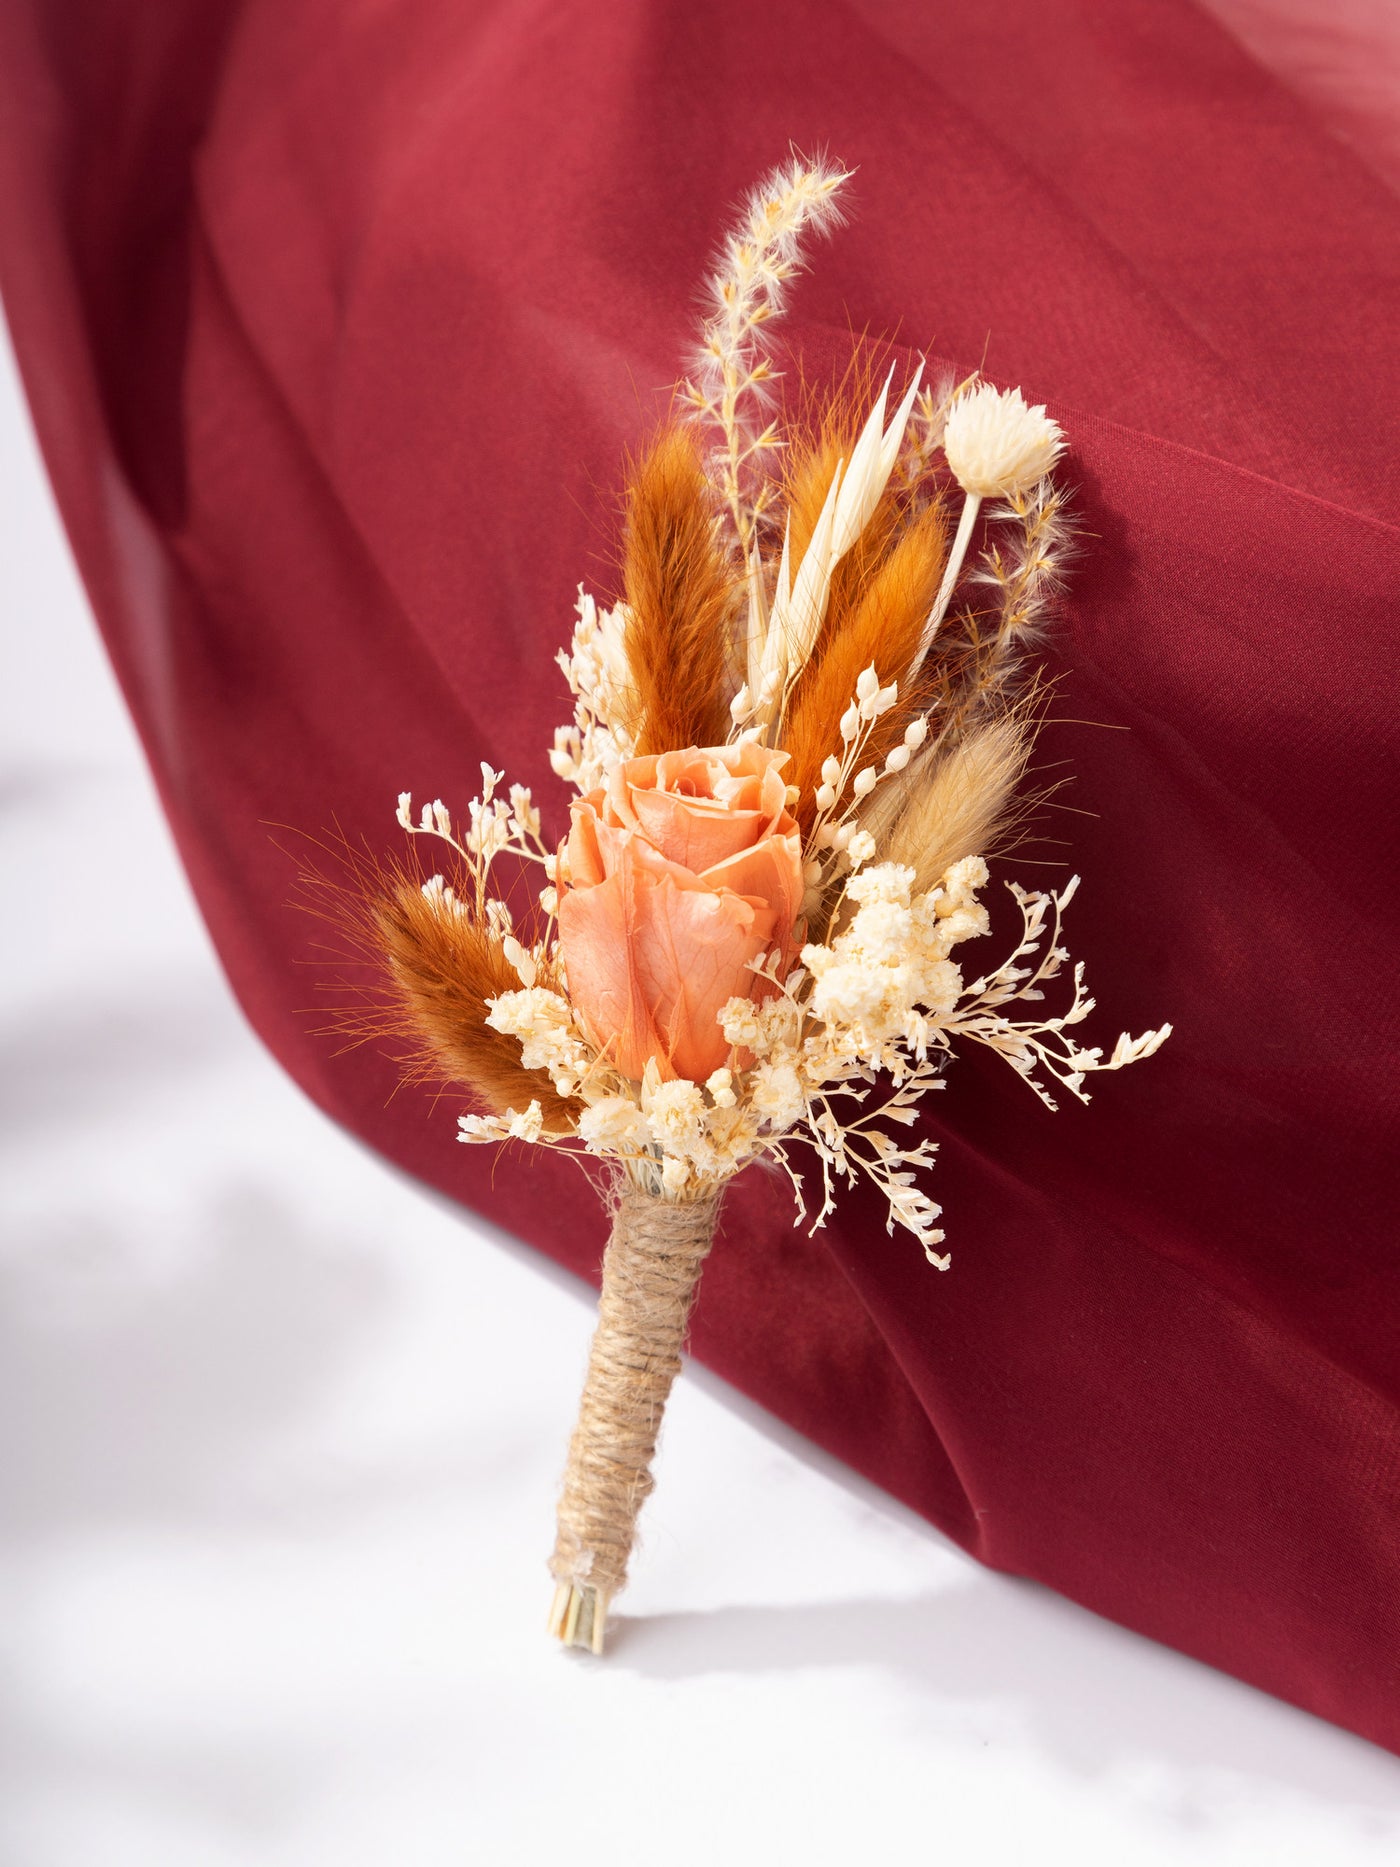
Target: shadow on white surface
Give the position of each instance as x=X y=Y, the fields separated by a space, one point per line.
x=1092 y=1697
x=239 y=1788
x=68 y=1053
x=150 y=1408
x=135 y=1391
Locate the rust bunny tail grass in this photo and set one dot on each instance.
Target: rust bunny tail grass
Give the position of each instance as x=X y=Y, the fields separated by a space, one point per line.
x=444 y=967
x=421 y=971
x=651 y=1270
x=682 y=590
x=880 y=628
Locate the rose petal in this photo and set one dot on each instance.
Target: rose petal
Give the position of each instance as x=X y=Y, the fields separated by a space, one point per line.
x=772 y=871
x=694 y=832
x=682 y=871
x=585 y=860
x=692 y=949
x=633 y=773
x=615 y=844
x=598 y=935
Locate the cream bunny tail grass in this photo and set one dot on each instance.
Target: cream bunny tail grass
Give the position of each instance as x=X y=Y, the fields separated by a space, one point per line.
x=954 y=804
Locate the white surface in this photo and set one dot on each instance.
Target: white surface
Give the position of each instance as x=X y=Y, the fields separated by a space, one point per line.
x=279 y=1436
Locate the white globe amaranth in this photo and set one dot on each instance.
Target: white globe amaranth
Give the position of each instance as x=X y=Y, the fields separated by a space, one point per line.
x=997 y=445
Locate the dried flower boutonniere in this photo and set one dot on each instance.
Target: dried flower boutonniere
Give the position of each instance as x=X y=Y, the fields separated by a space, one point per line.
x=791 y=755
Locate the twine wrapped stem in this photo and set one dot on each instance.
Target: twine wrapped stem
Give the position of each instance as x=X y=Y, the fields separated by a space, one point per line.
x=650 y=1272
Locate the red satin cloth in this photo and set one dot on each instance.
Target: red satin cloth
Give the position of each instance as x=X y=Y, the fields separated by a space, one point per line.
x=337 y=316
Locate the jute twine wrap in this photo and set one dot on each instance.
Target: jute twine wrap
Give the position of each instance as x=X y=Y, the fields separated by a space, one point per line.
x=650 y=1271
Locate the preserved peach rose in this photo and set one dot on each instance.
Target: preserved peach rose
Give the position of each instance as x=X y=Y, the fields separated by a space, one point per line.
x=677 y=875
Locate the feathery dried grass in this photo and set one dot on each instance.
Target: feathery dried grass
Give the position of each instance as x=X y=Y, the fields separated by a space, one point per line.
x=874 y=621
x=423 y=975
x=1023 y=565
x=734 y=371
x=681 y=590
x=954 y=803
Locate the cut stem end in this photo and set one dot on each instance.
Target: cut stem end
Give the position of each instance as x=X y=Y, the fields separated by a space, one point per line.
x=578 y=1616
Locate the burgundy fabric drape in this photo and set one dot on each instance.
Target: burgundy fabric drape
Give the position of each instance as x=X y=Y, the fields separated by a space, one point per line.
x=336 y=317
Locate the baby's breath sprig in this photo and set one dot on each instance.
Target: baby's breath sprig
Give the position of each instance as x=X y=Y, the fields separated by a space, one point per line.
x=596 y=669
x=497 y=826
x=1034 y=1046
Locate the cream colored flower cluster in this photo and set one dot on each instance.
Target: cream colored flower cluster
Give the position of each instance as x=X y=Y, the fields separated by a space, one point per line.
x=496 y=827
x=882 y=983
x=595 y=666
x=543 y=1023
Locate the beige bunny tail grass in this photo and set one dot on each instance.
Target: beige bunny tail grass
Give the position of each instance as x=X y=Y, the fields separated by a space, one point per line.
x=954 y=803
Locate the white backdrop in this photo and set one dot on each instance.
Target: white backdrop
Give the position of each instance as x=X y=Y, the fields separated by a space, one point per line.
x=279 y=1436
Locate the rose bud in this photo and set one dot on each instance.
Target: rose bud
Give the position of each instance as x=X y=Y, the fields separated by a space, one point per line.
x=682 y=871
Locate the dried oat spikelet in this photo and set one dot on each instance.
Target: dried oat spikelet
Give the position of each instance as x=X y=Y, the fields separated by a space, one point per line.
x=800 y=599
x=816 y=444
x=733 y=369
